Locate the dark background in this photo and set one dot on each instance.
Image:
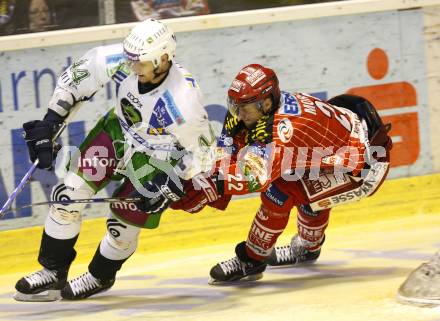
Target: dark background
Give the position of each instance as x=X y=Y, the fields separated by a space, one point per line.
x=25 y=16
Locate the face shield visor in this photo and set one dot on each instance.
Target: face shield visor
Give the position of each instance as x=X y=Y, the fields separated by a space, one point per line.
x=234 y=107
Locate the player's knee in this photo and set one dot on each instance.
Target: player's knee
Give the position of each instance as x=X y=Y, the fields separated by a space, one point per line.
x=64 y=220
x=73 y=187
x=65 y=213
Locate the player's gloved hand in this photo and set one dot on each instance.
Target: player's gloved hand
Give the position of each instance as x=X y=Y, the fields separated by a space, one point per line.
x=193 y=201
x=38 y=135
x=164 y=191
x=200 y=191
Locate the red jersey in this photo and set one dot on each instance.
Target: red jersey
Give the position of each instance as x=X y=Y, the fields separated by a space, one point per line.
x=303 y=136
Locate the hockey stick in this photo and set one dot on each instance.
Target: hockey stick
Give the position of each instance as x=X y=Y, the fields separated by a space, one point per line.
x=81 y=200
x=31 y=170
x=6 y=207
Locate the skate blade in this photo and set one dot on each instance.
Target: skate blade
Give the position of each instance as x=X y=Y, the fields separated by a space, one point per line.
x=289 y=265
x=45 y=296
x=249 y=278
x=425 y=302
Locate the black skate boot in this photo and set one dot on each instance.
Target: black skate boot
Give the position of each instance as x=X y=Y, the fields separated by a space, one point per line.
x=55 y=256
x=293 y=254
x=100 y=277
x=41 y=286
x=84 y=286
x=239 y=268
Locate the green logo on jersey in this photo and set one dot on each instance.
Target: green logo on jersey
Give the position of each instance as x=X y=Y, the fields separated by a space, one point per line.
x=204 y=142
x=122 y=67
x=131 y=114
x=78 y=74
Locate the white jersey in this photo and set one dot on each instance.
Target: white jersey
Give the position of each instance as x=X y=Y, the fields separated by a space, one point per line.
x=167 y=118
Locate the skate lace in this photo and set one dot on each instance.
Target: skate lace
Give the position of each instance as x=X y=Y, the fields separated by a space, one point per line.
x=284 y=253
x=231 y=265
x=432 y=267
x=297 y=247
x=292 y=253
x=84 y=283
x=41 y=277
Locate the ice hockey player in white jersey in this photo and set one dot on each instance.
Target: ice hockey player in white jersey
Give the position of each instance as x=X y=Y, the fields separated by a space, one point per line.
x=158 y=132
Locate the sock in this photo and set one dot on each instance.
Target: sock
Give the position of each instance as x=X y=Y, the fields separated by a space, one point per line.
x=311 y=227
x=265 y=230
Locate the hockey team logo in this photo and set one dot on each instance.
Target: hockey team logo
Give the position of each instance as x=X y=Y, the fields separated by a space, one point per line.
x=285 y=130
x=78 y=74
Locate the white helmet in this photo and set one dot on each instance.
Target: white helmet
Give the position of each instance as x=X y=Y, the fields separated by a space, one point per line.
x=148 y=41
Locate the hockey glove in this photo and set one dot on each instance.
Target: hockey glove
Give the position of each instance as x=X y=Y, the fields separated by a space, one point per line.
x=199 y=192
x=38 y=135
x=165 y=192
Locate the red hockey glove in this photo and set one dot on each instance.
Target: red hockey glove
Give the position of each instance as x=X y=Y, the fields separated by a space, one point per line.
x=199 y=191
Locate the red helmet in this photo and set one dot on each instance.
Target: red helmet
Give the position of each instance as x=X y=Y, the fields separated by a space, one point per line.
x=254 y=83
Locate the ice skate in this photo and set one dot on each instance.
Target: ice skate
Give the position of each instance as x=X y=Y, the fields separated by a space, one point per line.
x=237 y=269
x=84 y=286
x=41 y=286
x=293 y=254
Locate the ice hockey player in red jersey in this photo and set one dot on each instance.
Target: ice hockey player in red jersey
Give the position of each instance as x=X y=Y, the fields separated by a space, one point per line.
x=297 y=151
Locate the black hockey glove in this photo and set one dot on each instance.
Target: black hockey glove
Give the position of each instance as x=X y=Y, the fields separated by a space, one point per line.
x=165 y=192
x=38 y=135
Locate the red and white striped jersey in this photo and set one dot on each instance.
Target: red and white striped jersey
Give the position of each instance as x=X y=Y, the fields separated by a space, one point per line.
x=303 y=135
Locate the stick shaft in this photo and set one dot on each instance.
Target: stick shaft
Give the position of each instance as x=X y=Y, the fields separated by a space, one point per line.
x=18 y=189
x=83 y=201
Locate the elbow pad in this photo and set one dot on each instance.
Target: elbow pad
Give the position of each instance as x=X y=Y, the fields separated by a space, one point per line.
x=62 y=102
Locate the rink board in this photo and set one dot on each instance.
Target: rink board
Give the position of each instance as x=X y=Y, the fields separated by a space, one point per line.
x=371 y=247
x=292 y=40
